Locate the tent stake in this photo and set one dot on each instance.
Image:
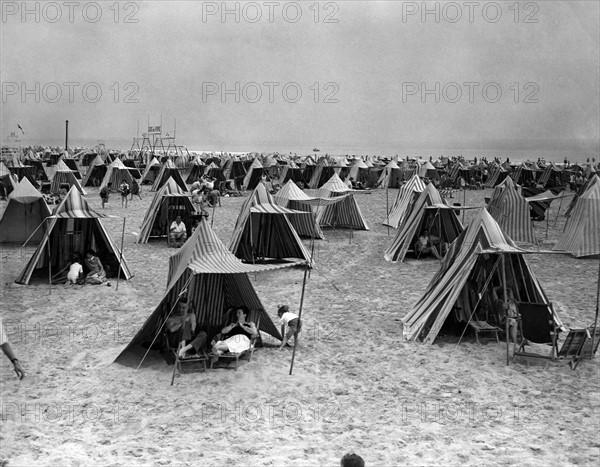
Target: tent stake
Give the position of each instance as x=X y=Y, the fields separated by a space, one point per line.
x=121 y=253
x=299 y=318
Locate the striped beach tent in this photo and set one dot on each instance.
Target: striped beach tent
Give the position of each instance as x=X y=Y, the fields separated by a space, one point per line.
x=387 y=179
x=64 y=175
x=322 y=172
x=586 y=186
x=168 y=203
x=95 y=173
x=116 y=173
x=359 y=171
x=213 y=280
x=73 y=228
x=292 y=197
x=345 y=213
x=406 y=195
x=262 y=230
x=71 y=163
x=581 y=236
x=253 y=175
x=512 y=212
x=196 y=170
x=429 y=212
x=25 y=212
x=168 y=170
x=152 y=170
x=496 y=175
x=292 y=172
x=469 y=271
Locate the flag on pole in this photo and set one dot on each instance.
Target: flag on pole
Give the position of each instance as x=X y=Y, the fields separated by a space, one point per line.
x=20 y=128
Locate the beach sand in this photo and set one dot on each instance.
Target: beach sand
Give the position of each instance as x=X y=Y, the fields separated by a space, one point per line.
x=356 y=385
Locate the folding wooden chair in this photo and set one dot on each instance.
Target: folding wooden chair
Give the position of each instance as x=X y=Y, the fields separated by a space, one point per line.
x=201 y=357
x=578 y=345
x=536 y=324
x=483 y=327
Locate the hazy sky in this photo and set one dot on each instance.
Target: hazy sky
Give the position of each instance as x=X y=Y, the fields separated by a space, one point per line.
x=378 y=58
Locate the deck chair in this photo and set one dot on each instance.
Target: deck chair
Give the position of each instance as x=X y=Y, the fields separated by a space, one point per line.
x=200 y=357
x=537 y=325
x=578 y=345
x=231 y=356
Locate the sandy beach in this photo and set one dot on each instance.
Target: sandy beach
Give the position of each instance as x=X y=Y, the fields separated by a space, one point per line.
x=356 y=385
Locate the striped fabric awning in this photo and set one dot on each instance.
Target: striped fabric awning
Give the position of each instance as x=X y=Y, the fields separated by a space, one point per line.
x=406 y=195
x=509 y=208
x=75 y=206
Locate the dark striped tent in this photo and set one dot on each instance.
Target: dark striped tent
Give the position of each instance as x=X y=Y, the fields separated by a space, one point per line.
x=168 y=170
x=64 y=176
x=292 y=197
x=581 y=236
x=406 y=195
x=213 y=280
x=95 y=173
x=151 y=172
x=73 y=227
x=512 y=212
x=429 y=212
x=346 y=213
x=168 y=203
x=469 y=271
x=263 y=231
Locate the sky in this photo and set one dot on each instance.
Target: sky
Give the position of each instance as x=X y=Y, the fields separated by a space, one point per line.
x=282 y=75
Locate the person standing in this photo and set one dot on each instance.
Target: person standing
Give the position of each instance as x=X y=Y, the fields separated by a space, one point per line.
x=104 y=193
x=124 y=190
x=135 y=190
x=293 y=323
x=8 y=351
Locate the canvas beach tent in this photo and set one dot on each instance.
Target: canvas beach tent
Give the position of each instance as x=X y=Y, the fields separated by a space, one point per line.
x=71 y=163
x=168 y=203
x=168 y=170
x=25 y=212
x=116 y=173
x=73 y=227
x=390 y=177
x=213 y=280
x=292 y=197
x=64 y=175
x=586 y=186
x=152 y=170
x=346 y=213
x=95 y=173
x=292 y=172
x=23 y=171
x=7 y=183
x=496 y=175
x=476 y=262
x=196 y=170
x=512 y=212
x=581 y=236
x=406 y=195
x=322 y=172
x=253 y=175
x=429 y=212
x=263 y=230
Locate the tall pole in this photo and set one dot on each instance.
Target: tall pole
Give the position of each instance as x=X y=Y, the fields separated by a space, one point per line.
x=596 y=318
x=299 y=318
x=387 y=209
x=66 y=134
x=121 y=254
x=505 y=299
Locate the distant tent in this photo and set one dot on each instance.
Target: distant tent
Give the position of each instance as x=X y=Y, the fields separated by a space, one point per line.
x=64 y=175
x=73 y=227
x=292 y=172
x=496 y=175
x=95 y=173
x=263 y=230
x=7 y=184
x=72 y=164
x=360 y=172
x=346 y=213
x=429 y=212
x=407 y=194
x=292 y=197
x=581 y=236
x=23 y=171
x=152 y=170
x=116 y=173
x=168 y=203
x=196 y=172
x=321 y=174
x=213 y=280
x=509 y=208
x=471 y=268
x=25 y=212
x=585 y=187
x=253 y=175
x=169 y=169
x=390 y=177
x=428 y=170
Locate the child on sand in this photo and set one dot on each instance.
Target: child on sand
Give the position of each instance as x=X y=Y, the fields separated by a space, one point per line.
x=293 y=323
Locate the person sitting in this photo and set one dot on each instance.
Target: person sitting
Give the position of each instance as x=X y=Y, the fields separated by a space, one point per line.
x=355 y=185
x=423 y=245
x=235 y=336
x=177 y=232
x=293 y=323
x=96 y=274
x=75 y=274
x=182 y=324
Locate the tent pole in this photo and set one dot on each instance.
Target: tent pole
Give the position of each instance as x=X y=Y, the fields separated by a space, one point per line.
x=387 y=210
x=121 y=253
x=548 y=220
x=299 y=318
x=505 y=297
x=464 y=201
x=49 y=268
x=596 y=317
